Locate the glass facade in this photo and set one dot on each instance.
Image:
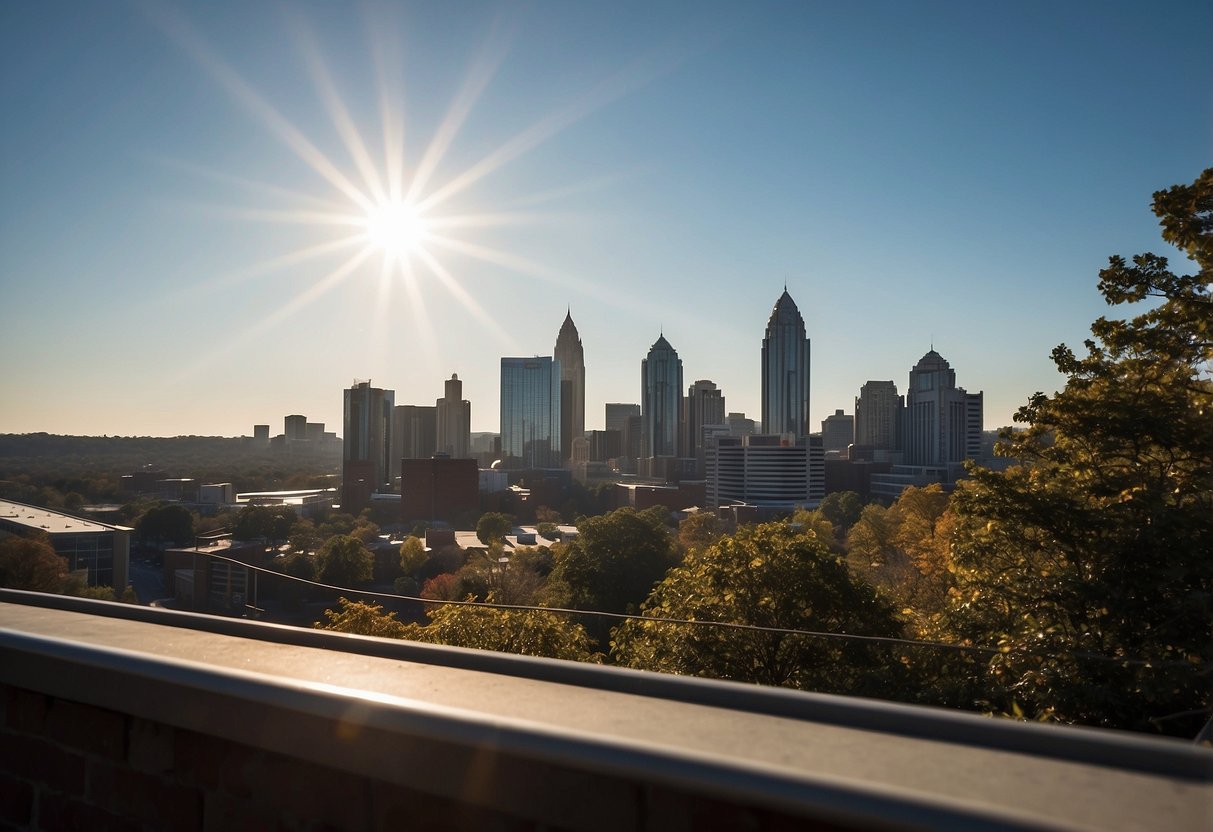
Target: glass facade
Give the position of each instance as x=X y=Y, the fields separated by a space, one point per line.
x=530 y=412
x=785 y=371
x=661 y=405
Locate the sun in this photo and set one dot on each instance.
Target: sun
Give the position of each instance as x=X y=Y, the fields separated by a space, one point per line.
x=395 y=227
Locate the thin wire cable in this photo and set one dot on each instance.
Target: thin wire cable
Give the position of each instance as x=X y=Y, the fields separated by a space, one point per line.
x=938 y=645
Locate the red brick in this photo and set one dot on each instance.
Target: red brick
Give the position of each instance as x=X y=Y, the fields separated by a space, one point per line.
x=16 y=800
x=95 y=730
x=30 y=758
x=23 y=710
x=150 y=747
x=144 y=798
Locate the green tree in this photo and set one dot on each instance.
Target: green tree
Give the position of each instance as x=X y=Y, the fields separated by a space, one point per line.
x=412 y=555
x=343 y=560
x=31 y=564
x=493 y=525
x=1097 y=545
x=774 y=576
x=613 y=562
x=842 y=508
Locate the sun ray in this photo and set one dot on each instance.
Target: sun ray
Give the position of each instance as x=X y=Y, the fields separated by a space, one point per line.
x=496 y=219
x=389 y=65
x=520 y=265
x=254 y=185
x=278 y=215
x=635 y=75
x=483 y=68
x=422 y=326
x=465 y=298
x=298 y=302
x=185 y=36
x=338 y=112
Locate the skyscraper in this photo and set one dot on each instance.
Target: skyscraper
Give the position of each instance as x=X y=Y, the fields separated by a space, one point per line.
x=942 y=422
x=414 y=432
x=704 y=406
x=569 y=354
x=837 y=431
x=366 y=444
x=878 y=416
x=661 y=401
x=530 y=412
x=454 y=417
x=785 y=371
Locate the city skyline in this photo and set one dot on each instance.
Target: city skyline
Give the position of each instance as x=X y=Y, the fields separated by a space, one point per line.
x=200 y=199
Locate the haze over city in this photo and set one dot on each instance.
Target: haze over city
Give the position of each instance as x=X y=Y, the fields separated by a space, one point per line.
x=212 y=215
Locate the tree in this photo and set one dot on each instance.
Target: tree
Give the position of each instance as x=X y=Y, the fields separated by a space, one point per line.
x=698 y=530
x=493 y=525
x=842 y=508
x=343 y=560
x=167 y=522
x=31 y=564
x=613 y=562
x=1089 y=562
x=814 y=522
x=362 y=619
x=771 y=575
x=523 y=632
x=412 y=555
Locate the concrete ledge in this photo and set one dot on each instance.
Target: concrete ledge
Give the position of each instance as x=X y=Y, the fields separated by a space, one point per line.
x=580 y=747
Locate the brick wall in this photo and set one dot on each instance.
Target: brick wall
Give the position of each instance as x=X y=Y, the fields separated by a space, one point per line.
x=64 y=765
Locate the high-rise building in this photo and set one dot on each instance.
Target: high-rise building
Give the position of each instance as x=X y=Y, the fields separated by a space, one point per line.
x=454 y=414
x=942 y=422
x=414 y=433
x=295 y=428
x=366 y=444
x=878 y=415
x=661 y=401
x=785 y=371
x=261 y=433
x=837 y=431
x=571 y=357
x=530 y=412
x=704 y=406
x=739 y=425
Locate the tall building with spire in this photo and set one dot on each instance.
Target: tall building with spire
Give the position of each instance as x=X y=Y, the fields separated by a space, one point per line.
x=454 y=420
x=569 y=354
x=661 y=401
x=785 y=371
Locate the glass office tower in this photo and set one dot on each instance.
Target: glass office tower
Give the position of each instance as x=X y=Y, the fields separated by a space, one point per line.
x=530 y=412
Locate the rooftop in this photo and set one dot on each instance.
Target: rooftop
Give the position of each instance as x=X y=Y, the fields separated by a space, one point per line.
x=51 y=522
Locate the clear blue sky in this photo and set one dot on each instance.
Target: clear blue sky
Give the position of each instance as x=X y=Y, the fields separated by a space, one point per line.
x=172 y=177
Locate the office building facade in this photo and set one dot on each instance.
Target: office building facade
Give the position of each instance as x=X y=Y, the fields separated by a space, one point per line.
x=785 y=371
x=571 y=357
x=773 y=472
x=530 y=412
x=367 y=450
x=878 y=413
x=661 y=401
x=454 y=420
x=942 y=422
x=704 y=406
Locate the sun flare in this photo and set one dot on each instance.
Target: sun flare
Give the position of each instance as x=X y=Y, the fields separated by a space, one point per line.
x=396 y=228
